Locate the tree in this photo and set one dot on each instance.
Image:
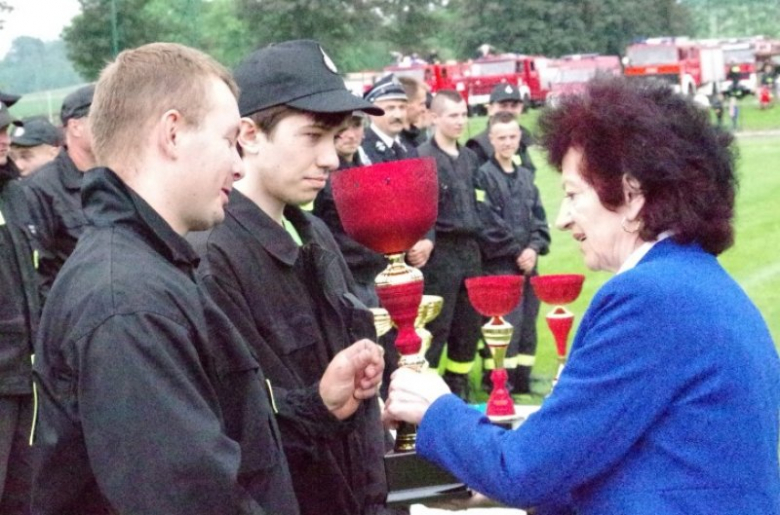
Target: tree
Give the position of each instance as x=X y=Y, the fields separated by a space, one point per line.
x=732 y=18
x=558 y=27
x=32 y=65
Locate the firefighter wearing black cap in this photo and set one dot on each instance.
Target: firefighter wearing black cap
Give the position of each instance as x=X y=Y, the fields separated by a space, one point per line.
x=18 y=322
x=504 y=98
x=277 y=272
x=151 y=402
x=34 y=144
x=383 y=141
x=54 y=191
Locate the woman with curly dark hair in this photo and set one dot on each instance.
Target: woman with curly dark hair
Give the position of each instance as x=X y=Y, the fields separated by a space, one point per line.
x=670 y=401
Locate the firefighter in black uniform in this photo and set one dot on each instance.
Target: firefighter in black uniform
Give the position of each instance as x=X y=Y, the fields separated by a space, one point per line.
x=456 y=256
x=150 y=399
x=382 y=142
x=519 y=235
x=504 y=98
x=18 y=321
x=278 y=274
x=35 y=144
x=54 y=191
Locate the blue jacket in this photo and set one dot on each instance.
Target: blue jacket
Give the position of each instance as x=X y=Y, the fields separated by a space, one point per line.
x=668 y=405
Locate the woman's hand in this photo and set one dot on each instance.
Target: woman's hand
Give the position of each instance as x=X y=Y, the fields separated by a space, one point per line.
x=410 y=395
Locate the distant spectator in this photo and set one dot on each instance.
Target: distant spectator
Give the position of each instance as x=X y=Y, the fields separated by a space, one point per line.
x=34 y=144
x=416 y=112
x=734 y=112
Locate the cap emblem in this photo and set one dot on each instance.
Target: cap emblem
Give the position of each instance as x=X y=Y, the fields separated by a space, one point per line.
x=18 y=132
x=508 y=89
x=328 y=61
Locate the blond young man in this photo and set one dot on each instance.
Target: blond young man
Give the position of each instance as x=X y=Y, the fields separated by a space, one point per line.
x=151 y=401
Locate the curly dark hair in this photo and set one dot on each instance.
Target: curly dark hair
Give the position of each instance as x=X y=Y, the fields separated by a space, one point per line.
x=684 y=165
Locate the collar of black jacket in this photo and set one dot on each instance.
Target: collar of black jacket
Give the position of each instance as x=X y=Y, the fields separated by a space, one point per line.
x=107 y=201
x=273 y=237
x=71 y=176
x=8 y=171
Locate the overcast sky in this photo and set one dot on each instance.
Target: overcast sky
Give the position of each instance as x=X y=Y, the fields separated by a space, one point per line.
x=42 y=19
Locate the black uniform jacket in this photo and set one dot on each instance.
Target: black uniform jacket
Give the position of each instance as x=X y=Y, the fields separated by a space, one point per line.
x=413 y=136
x=54 y=194
x=480 y=144
x=363 y=262
x=519 y=220
x=18 y=287
x=150 y=401
x=378 y=151
x=296 y=308
x=458 y=214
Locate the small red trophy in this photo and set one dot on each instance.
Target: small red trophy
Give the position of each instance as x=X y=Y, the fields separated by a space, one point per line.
x=388 y=207
x=496 y=296
x=559 y=290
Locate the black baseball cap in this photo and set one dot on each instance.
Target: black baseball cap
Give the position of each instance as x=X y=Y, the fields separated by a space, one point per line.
x=76 y=105
x=6 y=118
x=37 y=130
x=505 y=91
x=298 y=74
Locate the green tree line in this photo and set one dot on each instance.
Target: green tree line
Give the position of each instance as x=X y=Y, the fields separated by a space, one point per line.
x=365 y=34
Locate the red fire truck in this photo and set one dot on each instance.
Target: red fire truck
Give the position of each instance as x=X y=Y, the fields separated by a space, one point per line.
x=572 y=72
x=437 y=76
x=689 y=66
x=745 y=59
x=531 y=75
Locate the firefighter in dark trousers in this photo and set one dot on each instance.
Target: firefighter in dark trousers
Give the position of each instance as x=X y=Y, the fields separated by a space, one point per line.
x=150 y=399
x=505 y=97
x=278 y=274
x=18 y=322
x=382 y=142
x=456 y=256
x=54 y=191
x=519 y=235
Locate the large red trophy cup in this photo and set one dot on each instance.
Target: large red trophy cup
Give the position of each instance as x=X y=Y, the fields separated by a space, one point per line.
x=496 y=296
x=388 y=207
x=558 y=290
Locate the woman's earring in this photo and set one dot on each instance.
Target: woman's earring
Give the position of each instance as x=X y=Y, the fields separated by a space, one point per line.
x=629 y=231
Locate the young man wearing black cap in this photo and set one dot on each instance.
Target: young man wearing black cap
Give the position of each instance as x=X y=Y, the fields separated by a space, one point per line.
x=34 y=144
x=505 y=97
x=54 y=192
x=278 y=274
x=18 y=321
x=151 y=402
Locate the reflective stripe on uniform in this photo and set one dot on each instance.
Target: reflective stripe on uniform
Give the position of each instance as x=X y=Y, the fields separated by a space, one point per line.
x=458 y=368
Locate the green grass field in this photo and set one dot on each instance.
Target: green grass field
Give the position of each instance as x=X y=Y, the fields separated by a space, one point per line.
x=753 y=260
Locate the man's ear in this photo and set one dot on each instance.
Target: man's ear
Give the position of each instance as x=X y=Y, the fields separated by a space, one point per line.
x=633 y=196
x=250 y=137
x=169 y=133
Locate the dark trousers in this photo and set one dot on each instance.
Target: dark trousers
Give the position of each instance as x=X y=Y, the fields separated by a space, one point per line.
x=453 y=260
x=16 y=413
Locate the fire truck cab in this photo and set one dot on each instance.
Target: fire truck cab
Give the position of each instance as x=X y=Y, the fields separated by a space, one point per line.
x=572 y=72
x=689 y=66
x=529 y=73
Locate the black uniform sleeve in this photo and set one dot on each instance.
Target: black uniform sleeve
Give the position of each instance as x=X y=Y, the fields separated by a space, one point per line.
x=540 y=232
x=147 y=403
x=44 y=232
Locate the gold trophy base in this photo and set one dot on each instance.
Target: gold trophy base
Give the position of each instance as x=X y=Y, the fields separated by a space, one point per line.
x=412 y=479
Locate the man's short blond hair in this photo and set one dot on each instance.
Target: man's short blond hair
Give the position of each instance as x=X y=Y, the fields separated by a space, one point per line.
x=142 y=84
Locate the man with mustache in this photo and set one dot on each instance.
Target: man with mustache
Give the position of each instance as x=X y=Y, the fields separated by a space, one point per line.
x=383 y=141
